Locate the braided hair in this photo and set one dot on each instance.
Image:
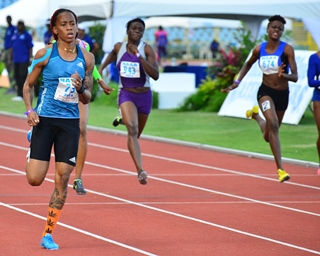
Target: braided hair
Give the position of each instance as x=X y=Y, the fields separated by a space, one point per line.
x=54 y=17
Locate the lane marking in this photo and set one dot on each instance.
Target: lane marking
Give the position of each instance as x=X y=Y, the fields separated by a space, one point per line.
x=182 y=143
x=196 y=219
x=201 y=188
x=182 y=162
x=80 y=230
x=161 y=203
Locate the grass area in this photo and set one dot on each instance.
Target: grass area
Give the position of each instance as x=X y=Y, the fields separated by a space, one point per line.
x=298 y=141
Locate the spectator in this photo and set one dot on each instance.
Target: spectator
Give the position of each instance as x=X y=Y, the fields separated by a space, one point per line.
x=94 y=46
x=6 y=53
x=21 y=55
x=214 y=48
x=161 y=37
x=47 y=37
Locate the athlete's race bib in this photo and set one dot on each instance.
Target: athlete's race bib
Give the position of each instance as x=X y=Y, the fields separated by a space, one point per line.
x=66 y=92
x=130 y=69
x=269 y=64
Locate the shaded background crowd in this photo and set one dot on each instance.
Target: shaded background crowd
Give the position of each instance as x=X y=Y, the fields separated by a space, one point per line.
x=188 y=45
x=187 y=50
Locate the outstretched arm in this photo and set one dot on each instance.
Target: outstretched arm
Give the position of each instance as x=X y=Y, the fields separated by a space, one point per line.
x=244 y=70
x=112 y=56
x=97 y=77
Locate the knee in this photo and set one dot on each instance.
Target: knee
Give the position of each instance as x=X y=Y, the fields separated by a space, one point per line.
x=133 y=129
x=34 y=181
x=273 y=126
x=65 y=179
x=272 y=129
x=266 y=137
x=61 y=180
x=83 y=131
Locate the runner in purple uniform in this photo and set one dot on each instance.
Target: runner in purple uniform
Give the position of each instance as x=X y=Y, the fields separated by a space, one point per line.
x=136 y=62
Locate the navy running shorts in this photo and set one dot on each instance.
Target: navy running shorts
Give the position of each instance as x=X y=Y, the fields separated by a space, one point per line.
x=280 y=98
x=316 y=94
x=62 y=133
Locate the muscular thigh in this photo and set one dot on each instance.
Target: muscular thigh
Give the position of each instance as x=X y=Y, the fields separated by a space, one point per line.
x=267 y=107
x=129 y=113
x=37 y=170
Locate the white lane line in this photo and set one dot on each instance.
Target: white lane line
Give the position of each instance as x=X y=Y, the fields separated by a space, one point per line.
x=193 y=219
x=196 y=187
x=81 y=231
x=156 y=203
x=203 y=166
x=207 y=190
x=185 y=162
x=14 y=129
x=183 y=143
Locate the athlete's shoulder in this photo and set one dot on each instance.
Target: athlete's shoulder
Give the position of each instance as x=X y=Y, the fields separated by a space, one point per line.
x=262 y=45
x=256 y=50
x=119 y=44
x=314 y=57
x=288 y=48
x=45 y=51
x=83 y=44
x=86 y=54
x=88 y=57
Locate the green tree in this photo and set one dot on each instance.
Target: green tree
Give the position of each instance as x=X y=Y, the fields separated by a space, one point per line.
x=97 y=33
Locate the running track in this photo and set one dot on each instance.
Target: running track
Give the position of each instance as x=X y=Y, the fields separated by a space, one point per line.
x=197 y=202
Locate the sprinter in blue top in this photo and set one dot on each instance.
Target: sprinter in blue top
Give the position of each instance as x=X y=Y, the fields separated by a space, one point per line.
x=314 y=82
x=67 y=79
x=275 y=58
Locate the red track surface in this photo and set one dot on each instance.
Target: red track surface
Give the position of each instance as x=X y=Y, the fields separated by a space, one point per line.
x=197 y=202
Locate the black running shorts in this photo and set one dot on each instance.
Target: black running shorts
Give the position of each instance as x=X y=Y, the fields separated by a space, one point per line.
x=280 y=98
x=62 y=133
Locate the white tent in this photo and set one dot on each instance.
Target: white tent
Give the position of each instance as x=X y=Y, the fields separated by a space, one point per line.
x=227 y=9
x=251 y=12
x=33 y=15
x=187 y=22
